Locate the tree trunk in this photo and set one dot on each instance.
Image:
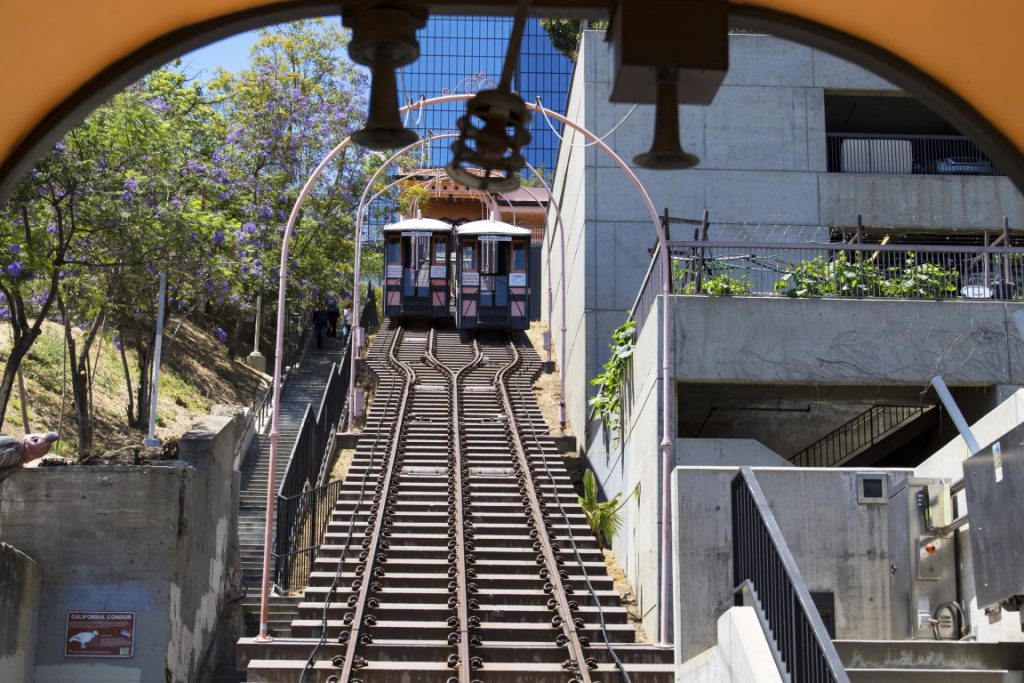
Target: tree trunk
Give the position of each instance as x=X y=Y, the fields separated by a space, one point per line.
x=80 y=379
x=127 y=380
x=18 y=352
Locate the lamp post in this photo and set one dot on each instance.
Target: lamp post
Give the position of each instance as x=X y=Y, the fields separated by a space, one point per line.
x=151 y=439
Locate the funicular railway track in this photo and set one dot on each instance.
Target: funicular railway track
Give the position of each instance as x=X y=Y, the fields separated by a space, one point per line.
x=457 y=552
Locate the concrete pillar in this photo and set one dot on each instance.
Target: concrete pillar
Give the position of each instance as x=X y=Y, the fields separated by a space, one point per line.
x=20 y=586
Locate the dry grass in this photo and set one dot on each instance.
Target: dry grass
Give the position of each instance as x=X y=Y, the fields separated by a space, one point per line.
x=547 y=389
x=195 y=374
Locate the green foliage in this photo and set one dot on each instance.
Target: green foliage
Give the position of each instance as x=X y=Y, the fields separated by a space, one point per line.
x=862 y=277
x=604 y=518
x=565 y=34
x=921 y=280
x=718 y=285
x=607 y=402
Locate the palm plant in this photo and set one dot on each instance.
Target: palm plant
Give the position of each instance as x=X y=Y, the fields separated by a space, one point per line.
x=603 y=517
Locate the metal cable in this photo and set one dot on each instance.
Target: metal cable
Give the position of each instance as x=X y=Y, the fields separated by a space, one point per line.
x=572 y=540
x=311 y=661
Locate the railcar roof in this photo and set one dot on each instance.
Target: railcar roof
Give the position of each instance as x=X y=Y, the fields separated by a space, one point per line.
x=490 y=227
x=425 y=224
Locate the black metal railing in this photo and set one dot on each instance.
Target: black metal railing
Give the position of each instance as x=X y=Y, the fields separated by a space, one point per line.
x=765 y=571
x=298 y=333
x=907 y=154
x=863 y=431
x=303 y=489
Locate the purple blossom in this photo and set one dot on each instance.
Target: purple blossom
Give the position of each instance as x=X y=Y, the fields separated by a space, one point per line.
x=195 y=167
x=265 y=211
x=176 y=203
x=117 y=342
x=218 y=236
x=15 y=270
x=131 y=184
x=127 y=196
x=221 y=335
x=224 y=196
x=15 y=248
x=52 y=229
x=5 y=313
x=249 y=227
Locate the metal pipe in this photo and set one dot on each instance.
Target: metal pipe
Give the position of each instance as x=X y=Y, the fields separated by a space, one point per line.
x=666 y=444
x=954 y=413
x=151 y=439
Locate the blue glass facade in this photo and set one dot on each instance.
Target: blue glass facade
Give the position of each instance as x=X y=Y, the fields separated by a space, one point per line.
x=465 y=54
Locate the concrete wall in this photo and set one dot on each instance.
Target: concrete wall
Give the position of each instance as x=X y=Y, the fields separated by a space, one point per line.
x=865 y=341
x=762 y=176
x=151 y=540
x=725 y=452
x=742 y=655
x=20 y=581
x=839 y=545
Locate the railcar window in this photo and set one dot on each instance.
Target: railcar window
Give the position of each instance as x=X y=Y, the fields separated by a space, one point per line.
x=440 y=250
x=518 y=258
x=394 y=251
x=468 y=257
x=489 y=257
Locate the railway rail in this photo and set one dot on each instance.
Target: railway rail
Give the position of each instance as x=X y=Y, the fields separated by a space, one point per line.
x=457 y=552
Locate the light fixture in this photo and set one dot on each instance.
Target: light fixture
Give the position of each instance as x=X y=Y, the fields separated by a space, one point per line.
x=666 y=152
x=384 y=38
x=488 y=152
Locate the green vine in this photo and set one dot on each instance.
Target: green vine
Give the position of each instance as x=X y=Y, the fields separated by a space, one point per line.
x=607 y=403
x=862 y=277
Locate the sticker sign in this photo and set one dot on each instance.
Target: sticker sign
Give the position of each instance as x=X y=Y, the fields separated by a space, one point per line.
x=394 y=271
x=100 y=634
x=472 y=279
x=517 y=279
x=495 y=238
x=415 y=233
x=439 y=271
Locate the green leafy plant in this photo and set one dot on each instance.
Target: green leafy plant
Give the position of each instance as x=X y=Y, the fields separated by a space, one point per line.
x=607 y=402
x=719 y=285
x=920 y=280
x=603 y=517
x=839 y=276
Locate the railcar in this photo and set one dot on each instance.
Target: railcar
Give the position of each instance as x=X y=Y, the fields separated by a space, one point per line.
x=492 y=276
x=417 y=262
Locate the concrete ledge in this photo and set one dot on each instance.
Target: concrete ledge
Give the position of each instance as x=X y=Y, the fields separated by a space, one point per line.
x=349 y=440
x=565 y=443
x=20 y=586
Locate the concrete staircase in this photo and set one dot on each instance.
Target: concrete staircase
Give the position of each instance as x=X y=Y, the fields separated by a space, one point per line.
x=928 y=661
x=305 y=385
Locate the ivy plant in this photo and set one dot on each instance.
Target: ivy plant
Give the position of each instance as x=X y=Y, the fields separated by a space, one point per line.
x=607 y=402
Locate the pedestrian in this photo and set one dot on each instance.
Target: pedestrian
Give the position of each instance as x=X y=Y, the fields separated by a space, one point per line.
x=346 y=326
x=332 y=318
x=319 y=326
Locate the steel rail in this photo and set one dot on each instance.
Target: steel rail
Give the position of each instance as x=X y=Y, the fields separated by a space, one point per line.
x=554 y=575
x=459 y=496
x=378 y=512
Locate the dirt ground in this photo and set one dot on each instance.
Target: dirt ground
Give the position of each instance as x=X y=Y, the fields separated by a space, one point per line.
x=547 y=388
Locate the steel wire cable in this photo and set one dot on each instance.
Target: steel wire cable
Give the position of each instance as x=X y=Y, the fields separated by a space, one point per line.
x=572 y=539
x=311 y=661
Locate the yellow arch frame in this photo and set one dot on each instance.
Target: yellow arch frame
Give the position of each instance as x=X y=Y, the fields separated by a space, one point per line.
x=59 y=59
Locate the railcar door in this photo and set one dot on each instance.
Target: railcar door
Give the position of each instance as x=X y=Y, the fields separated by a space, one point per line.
x=518 y=284
x=393 y=276
x=440 y=293
x=493 y=297
x=468 y=284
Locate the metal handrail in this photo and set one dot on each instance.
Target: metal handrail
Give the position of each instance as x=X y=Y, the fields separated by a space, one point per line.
x=761 y=557
x=863 y=430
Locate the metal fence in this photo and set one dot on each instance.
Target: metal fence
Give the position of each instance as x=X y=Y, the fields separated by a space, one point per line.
x=859 y=433
x=846 y=270
x=304 y=494
x=764 y=570
x=907 y=154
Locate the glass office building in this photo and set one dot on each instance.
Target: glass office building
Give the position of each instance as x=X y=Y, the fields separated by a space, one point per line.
x=466 y=54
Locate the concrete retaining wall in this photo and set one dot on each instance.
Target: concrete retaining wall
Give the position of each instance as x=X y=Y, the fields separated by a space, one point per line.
x=151 y=540
x=20 y=582
x=839 y=545
x=856 y=341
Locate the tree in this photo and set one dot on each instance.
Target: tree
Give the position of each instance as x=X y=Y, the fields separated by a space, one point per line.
x=565 y=34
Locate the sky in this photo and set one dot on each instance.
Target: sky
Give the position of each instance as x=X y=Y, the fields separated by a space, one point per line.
x=231 y=54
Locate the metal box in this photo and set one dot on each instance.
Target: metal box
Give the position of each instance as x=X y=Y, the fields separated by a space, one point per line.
x=923 y=569
x=695 y=42
x=994 y=478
